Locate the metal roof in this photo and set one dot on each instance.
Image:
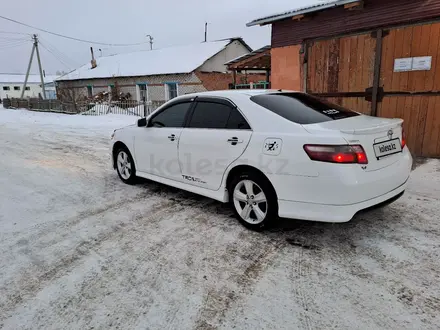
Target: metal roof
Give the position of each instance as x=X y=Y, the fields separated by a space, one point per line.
x=245 y=56
x=299 y=11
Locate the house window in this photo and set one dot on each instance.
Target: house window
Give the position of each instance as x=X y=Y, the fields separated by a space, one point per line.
x=171 y=90
x=142 y=93
x=89 y=92
x=111 y=90
x=27 y=88
x=16 y=88
x=6 y=88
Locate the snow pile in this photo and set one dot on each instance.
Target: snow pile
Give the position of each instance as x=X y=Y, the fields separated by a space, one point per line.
x=60 y=122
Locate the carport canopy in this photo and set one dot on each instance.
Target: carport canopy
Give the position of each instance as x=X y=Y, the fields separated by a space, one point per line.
x=258 y=60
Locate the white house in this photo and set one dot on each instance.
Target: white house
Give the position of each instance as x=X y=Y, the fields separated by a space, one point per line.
x=157 y=75
x=11 y=85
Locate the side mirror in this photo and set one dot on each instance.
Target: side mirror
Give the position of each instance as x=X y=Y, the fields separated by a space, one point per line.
x=142 y=122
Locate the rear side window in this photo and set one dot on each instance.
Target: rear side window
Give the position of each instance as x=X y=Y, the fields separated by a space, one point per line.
x=210 y=115
x=217 y=116
x=237 y=121
x=302 y=108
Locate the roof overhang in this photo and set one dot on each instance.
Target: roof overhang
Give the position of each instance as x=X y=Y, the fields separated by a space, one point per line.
x=257 y=60
x=301 y=11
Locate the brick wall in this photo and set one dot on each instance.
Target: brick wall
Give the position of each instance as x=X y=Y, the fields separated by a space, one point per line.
x=220 y=81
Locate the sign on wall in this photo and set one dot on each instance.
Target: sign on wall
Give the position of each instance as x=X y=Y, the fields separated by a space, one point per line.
x=403 y=64
x=422 y=63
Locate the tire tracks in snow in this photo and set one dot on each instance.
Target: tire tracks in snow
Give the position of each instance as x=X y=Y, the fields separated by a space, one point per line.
x=32 y=281
x=218 y=300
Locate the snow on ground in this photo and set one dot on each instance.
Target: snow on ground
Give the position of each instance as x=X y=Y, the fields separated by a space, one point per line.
x=81 y=250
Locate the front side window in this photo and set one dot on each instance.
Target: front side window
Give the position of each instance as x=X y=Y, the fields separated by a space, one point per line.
x=173 y=116
x=16 y=88
x=302 y=108
x=171 y=90
x=210 y=115
x=6 y=88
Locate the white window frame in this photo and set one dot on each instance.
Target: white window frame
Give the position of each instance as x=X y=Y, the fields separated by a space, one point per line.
x=167 y=90
x=138 y=92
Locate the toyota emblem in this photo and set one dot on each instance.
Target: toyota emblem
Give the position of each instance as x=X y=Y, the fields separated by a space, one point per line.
x=390 y=134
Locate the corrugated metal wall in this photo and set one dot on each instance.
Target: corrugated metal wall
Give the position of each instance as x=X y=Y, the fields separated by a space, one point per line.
x=376 y=13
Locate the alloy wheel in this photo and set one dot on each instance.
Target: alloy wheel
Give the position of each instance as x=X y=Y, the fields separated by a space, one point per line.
x=250 y=202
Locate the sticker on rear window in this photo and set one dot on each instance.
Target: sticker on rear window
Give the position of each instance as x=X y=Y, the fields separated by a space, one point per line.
x=330 y=112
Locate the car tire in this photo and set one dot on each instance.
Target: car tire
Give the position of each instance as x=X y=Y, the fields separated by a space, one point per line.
x=125 y=166
x=253 y=200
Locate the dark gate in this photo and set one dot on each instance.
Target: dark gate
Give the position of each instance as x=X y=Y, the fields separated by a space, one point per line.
x=342 y=70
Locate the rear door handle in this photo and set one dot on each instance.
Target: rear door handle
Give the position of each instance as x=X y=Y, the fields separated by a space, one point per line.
x=172 y=137
x=234 y=141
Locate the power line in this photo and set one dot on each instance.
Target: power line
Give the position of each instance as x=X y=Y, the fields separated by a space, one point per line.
x=57 y=57
x=71 y=38
x=8 y=32
x=57 y=51
x=8 y=38
x=13 y=46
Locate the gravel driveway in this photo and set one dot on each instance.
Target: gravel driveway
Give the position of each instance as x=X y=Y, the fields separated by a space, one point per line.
x=81 y=250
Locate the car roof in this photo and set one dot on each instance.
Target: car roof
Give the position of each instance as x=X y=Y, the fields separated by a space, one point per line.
x=235 y=92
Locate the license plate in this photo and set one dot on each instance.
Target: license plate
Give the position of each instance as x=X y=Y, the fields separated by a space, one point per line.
x=387 y=148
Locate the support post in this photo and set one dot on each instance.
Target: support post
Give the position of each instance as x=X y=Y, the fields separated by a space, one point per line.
x=234 y=79
x=305 y=66
x=39 y=66
x=376 y=77
x=28 y=70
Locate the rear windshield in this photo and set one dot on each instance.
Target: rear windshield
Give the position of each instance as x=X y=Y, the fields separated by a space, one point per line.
x=302 y=108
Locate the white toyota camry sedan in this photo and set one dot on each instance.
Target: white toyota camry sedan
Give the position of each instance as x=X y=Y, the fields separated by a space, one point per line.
x=269 y=153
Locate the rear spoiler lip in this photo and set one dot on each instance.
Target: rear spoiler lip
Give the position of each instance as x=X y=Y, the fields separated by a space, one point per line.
x=375 y=129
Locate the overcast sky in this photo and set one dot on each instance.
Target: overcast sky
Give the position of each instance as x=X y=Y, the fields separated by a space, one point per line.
x=170 y=22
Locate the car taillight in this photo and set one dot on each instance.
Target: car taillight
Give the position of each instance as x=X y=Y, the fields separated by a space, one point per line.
x=403 y=141
x=344 y=154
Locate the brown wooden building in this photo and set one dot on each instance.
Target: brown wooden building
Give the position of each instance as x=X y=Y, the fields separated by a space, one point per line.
x=379 y=57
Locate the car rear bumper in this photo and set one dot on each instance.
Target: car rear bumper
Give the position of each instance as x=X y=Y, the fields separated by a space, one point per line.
x=334 y=213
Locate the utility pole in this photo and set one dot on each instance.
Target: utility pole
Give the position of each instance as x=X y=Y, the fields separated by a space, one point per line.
x=151 y=41
x=39 y=66
x=206 y=31
x=27 y=72
x=34 y=48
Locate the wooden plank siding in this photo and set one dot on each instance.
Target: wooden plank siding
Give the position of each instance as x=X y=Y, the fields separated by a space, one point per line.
x=346 y=65
x=421 y=113
x=342 y=65
x=338 y=21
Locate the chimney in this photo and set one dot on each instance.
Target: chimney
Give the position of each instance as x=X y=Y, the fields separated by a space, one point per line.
x=93 y=61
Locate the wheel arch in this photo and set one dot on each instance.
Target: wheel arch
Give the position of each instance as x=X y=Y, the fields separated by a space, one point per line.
x=116 y=146
x=238 y=169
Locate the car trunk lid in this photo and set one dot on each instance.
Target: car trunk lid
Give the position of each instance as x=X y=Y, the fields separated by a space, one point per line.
x=380 y=137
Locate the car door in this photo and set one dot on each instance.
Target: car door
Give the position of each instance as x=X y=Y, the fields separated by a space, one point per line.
x=156 y=145
x=215 y=136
